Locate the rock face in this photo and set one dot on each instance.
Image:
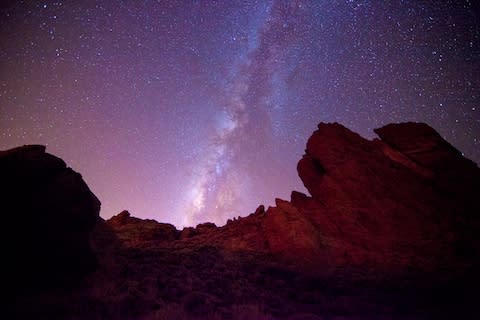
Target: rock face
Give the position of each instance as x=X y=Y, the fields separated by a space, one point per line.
x=407 y=201
x=375 y=209
x=390 y=230
x=396 y=214
x=135 y=232
x=48 y=213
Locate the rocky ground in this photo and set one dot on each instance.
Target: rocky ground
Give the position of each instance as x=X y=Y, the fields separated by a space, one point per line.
x=390 y=230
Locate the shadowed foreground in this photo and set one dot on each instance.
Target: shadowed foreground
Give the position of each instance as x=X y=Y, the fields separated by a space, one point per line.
x=389 y=231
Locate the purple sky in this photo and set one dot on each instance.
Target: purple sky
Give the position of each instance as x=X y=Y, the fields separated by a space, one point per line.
x=188 y=111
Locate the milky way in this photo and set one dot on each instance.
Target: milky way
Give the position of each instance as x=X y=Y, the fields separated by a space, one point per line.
x=196 y=111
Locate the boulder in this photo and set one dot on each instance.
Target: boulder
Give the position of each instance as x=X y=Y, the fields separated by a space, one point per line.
x=49 y=213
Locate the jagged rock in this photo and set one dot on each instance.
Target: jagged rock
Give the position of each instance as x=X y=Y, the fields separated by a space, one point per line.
x=454 y=175
x=377 y=210
x=121 y=219
x=422 y=144
x=260 y=210
x=49 y=213
x=298 y=198
x=205 y=227
x=133 y=231
x=290 y=234
x=188 y=232
x=389 y=231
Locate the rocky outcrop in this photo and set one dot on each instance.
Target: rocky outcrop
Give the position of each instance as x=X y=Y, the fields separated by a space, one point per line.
x=48 y=214
x=452 y=175
x=373 y=206
x=135 y=232
x=205 y=227
x=407 y=201
x=291 y=234
x=382 y=211
x=389 y=230
x=423 y=145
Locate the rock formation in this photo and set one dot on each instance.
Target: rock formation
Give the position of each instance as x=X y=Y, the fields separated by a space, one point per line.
x=372 y=205
x=48 y=214
x=135 y=232
x=390 y=230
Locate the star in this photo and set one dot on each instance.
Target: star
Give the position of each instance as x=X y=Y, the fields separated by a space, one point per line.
x=193 y=112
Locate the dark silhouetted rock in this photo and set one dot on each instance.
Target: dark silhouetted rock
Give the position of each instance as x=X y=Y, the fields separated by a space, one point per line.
x=49 y=213
x=260 y=210
x=422 y=144
x=122 y=219
x=390 y=230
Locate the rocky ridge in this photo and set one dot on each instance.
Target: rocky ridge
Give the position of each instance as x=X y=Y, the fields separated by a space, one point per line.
x=402 y=201
x=389 y=231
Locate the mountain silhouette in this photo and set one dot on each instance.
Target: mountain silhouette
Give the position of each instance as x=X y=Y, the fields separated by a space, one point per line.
x=390 y=230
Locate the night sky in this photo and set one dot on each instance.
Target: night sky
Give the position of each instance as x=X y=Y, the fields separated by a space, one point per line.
x=193 y=111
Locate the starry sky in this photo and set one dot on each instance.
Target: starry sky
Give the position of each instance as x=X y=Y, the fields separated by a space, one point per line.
x=194 y=111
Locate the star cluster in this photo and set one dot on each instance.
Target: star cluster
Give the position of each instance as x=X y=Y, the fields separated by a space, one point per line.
x=193 y=111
